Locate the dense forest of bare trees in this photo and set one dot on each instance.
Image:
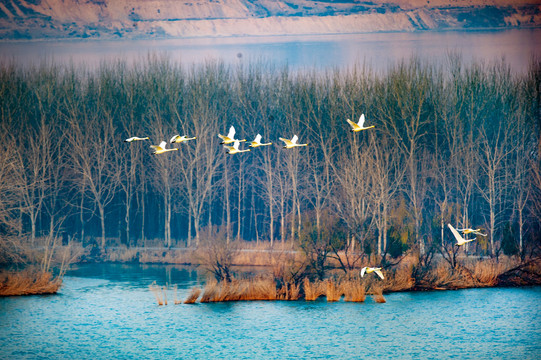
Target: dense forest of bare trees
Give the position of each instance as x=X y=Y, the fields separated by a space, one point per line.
x=452 y=143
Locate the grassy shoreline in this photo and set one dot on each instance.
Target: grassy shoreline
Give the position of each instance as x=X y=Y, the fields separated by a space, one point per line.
x=284 y=274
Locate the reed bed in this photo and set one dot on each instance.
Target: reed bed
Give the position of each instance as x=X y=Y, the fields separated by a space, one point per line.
x=121 y=254
x=289 y=291
x=177 y=300
x=352 y=288
x=354 y=291
x=239 y=290
x=28 y=282
x=193 y=296
x=313 y=290
x=334 y=291
x=378 y=294
x=159 y=293
x=399 y=280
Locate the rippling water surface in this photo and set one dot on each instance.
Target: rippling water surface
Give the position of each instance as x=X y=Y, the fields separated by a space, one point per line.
x=107 y=311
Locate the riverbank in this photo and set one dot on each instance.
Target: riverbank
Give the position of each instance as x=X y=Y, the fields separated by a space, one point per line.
x=250 y=271
x=120 y=19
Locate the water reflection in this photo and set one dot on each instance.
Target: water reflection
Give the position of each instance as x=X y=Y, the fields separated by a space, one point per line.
x=321 y=51
x=141 y=275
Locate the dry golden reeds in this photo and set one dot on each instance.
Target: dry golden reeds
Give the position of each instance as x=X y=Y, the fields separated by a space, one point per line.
x=378 y=295
x=239 y=290
x=400 y=280
x=159 y=292
x=193 y=296
x=334 y=291
x=289 y=291
x=121 y=254
x=314 y=290
x=177 y=301
x=210 y=291
x=28 y=282
x=354 y=291
x=487 y=272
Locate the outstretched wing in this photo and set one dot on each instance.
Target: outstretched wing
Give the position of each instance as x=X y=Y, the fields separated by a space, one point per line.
x=257 y=138
x=231 y=133
x=363 y=270
x=174 y=138
x=361 y=121
x=294 y=140
x=380 y=274
x=478 y=232
x=353 y=125
x=455 y=233
x=288 y=142
x=236 y=145
x=163 y=144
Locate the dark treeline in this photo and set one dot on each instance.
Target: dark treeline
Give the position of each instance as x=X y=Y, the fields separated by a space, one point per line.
x=454 y=143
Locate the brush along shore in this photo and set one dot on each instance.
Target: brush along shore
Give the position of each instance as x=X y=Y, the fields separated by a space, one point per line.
x=352 y=287
x=29 y=282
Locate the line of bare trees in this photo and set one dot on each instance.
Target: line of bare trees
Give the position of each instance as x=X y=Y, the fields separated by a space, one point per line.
x=453 y=143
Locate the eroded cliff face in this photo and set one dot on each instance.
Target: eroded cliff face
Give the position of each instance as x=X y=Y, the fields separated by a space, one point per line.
x=109 y=19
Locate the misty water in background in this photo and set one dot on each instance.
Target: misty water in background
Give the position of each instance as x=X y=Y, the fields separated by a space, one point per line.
x=107 y=311
x=377 y=50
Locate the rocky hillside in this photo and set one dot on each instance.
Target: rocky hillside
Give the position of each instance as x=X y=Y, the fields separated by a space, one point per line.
x=110 y=19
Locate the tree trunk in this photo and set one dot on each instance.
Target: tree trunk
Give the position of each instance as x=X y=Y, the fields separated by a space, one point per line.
x=239 y=209
x=271 y=225
x=227 y=205
x=102 y=219
x=127 y=220
x=167 y=218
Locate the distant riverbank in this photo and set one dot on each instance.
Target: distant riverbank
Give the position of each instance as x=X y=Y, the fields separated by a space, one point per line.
x=121 y=19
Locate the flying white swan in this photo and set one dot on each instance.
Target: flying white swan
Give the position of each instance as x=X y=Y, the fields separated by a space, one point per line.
x=160 y=149
x=358 y=126
x=179 y=139
x=369 y=270
x=135 y=138
x=257 y=142
x=472 y=231
x=235 y=148
x=292 y=143
x=230 y=138
x=459 y=239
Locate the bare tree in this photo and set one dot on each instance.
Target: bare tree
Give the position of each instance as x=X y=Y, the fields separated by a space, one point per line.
x=494 y=149
x=9 y=198
x=33 y=161
x=405 y=118
x=91 y=141
x=352 y=199
x=386 y=177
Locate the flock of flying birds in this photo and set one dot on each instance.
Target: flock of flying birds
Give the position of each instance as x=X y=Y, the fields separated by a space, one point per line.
x=230 y=139
x=233 y=149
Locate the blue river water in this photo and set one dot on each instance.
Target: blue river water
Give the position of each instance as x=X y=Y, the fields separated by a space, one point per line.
x=106 y=311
